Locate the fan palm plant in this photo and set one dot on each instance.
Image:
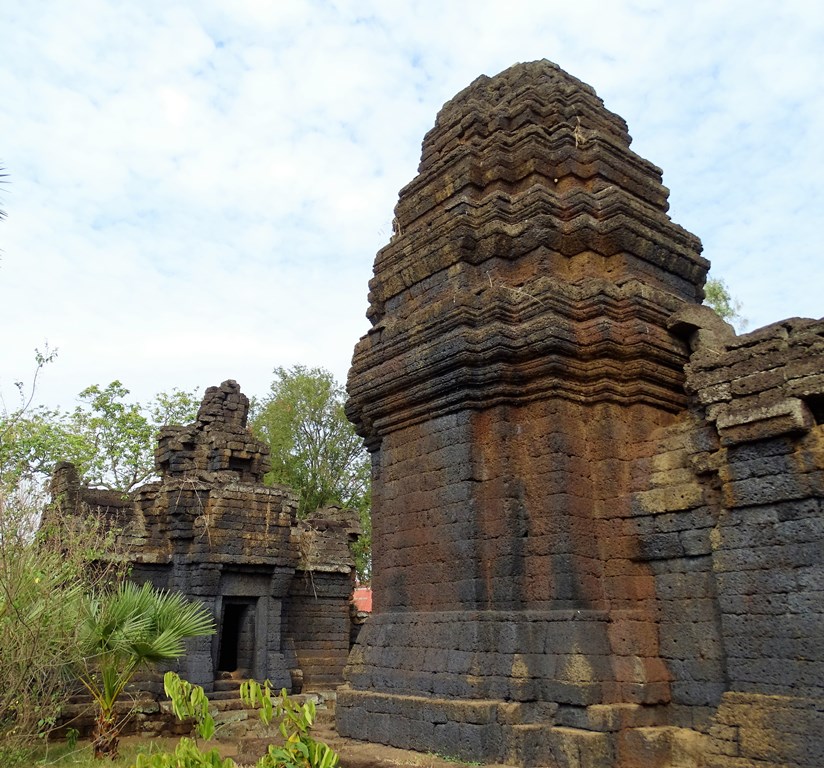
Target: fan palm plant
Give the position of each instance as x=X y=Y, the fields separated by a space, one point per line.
x=121 y=630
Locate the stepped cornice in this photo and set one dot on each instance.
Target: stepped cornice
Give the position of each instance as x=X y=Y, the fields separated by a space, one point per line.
x=532 y=257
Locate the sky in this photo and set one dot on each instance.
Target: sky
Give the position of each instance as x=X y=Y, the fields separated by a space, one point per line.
x=197 y=189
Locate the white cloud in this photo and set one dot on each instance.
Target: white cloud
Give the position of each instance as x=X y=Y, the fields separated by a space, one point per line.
x=199 y=188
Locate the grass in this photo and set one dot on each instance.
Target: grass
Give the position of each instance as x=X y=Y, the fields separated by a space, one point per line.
x=61 y=755
x=452 y=759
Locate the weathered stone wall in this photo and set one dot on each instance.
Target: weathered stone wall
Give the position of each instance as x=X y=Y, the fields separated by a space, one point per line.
x=762 y=393
x=317 y=612
x=579 y=549
x=670 y=526
x=210 y=529
x=317 y=619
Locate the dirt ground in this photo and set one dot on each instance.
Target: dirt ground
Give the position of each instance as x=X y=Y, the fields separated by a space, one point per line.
x=353 y=754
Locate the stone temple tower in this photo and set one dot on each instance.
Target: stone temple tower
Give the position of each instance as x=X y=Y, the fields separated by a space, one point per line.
x=208 y=527
x=586 y=489
x=518 y=363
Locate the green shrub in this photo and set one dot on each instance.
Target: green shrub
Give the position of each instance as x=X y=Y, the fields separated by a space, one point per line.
x=189 y=701
x=43 y=576
x=187 y=754
x=299 y=749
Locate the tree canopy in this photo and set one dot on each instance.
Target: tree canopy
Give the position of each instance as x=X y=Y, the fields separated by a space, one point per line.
x=314 y=448
x=108 y=438
x=717 y=295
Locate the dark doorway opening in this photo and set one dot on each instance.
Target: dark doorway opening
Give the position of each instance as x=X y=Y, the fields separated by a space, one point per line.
x=237 y=637
x=816 y=405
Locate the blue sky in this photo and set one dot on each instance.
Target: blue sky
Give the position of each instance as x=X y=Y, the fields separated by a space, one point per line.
x=198 y=189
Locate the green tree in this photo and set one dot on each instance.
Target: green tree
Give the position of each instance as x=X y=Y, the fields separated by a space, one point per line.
x=121 y=630
x=174 y=407
x=362 y=548
x=32 y=442
x=314 y=448
x=28 y=436
x=108 y=438
x=120 y=436
x=717 y=295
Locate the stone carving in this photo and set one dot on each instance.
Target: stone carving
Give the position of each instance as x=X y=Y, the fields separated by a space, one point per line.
x=210 y=529
x=555 y=426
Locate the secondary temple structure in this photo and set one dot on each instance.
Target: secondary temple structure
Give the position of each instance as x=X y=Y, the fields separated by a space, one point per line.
x=279 y=588
x=597 y=511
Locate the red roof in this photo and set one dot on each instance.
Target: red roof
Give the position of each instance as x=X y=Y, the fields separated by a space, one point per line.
x=362 y=598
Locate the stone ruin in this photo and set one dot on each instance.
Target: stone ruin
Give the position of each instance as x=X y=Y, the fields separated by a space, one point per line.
x=279 y=588
x=597 y=511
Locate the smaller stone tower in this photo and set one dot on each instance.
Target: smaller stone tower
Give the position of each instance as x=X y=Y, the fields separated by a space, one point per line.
x=210 y=529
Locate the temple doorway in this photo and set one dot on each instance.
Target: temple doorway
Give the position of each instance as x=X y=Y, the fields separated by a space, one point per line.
x=236 y=649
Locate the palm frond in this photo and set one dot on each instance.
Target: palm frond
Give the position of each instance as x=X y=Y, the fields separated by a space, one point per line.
x=134 y=625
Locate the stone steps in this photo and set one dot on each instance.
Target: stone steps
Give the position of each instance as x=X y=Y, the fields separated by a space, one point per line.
x=223 y=695
x=143 y=712
x=234 y=720
x=227 y=685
